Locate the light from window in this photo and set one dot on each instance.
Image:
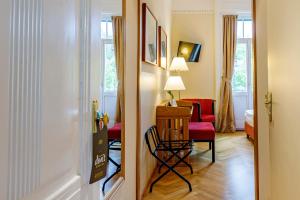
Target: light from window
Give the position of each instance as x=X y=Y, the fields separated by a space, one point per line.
x=110 y=76
x=106 y=30
x=244 y=29
x=239 y=80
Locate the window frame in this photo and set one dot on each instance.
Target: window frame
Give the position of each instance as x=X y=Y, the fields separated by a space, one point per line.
x=248 y=42
x=103 y=43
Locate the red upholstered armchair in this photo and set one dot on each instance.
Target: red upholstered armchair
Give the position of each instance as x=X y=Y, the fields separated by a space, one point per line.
x=203 y=110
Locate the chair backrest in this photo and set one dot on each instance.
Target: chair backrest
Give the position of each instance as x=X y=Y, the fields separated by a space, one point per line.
x=207 y=106
x=152 y=138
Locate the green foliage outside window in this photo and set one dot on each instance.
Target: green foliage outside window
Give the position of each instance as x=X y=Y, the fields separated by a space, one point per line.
x=239 y=81
x=110 y=76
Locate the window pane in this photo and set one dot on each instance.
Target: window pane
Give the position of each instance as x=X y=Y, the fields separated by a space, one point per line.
x=240 y=31
x=110 y=76
x=248 y=29
x=239 y=81
x=103 y=30
x=109 y=30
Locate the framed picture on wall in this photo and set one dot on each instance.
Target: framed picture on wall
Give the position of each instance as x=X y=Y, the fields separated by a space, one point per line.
x=162 y=48
x=149 y=36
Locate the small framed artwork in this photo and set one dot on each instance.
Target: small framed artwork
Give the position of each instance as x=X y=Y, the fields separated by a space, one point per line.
x=149 y=36
x=162 y=48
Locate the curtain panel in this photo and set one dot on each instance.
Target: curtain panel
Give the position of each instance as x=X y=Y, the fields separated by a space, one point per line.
x=226 y=119
x=118 y=37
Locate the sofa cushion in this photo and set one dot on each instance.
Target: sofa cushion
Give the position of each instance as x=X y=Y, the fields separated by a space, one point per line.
x=201 y=131
x=208 y=118
x=114 y=132
x=206 y=106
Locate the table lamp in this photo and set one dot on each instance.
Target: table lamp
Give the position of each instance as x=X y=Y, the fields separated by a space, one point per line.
x=178 y=64
x=174 y=83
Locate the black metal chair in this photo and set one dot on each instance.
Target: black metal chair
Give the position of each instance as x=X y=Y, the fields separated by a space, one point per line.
x=180 y=149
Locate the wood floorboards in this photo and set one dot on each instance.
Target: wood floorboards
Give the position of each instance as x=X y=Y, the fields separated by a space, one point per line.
x=231 y=177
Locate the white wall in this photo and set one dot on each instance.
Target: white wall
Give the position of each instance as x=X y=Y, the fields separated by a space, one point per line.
x=193 y=5
x=196 y=27
x=152 y=80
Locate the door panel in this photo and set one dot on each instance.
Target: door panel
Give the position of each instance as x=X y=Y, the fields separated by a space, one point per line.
x=284 y=70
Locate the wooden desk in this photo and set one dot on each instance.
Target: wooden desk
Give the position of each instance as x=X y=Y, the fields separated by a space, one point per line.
x=173 y=122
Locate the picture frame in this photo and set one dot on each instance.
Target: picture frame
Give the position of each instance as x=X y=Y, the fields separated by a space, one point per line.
x=162 y=48
x=149 y=36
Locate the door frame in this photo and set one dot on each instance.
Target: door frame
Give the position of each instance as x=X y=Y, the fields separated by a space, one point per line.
x=255 y=104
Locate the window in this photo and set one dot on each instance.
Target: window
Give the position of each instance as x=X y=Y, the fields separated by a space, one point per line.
x=244 y=29
x=241 y=80
x=106 y=29
x=110 y=76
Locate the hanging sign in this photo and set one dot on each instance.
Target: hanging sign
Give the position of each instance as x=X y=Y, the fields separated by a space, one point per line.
x=100 y=145
x=100 y=154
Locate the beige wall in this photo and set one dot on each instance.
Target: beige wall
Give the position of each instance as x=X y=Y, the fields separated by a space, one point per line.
x=199 y=28
x=152 y=80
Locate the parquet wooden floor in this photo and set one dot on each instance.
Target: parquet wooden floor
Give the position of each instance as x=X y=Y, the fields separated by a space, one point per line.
x=231 y=177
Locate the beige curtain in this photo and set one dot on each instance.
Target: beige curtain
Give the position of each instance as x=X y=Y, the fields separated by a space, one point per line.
x=118 y=30
x=226 y=120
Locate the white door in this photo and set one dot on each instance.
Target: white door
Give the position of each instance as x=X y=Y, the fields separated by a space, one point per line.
x=284 y=81
x=108 y=89
x=242 y=77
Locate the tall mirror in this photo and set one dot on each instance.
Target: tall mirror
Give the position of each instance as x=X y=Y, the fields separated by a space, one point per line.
x=108 y=28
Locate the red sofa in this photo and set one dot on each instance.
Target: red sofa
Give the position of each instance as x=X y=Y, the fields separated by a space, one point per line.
x=203 y=110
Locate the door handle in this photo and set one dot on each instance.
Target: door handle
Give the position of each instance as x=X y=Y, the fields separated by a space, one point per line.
x=268 y=104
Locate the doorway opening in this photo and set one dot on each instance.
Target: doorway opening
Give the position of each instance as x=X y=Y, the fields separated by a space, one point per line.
x=236 y=152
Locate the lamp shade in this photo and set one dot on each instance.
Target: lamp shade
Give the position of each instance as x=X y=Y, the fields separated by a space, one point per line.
x=178 y=64
x=174 y=83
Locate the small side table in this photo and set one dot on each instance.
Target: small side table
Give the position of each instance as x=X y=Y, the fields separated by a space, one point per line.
x=173 y=122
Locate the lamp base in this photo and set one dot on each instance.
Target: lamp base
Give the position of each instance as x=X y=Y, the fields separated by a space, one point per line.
x=173 y=103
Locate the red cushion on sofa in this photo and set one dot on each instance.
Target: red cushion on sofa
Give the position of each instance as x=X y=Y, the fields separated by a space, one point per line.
x=206 y=106
x=115 y=132
x=201 y=131
x=208 y=118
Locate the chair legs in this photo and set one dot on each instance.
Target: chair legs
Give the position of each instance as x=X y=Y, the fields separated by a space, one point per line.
x=213 y=151
x=175 y=153
x=171 y=168
x=209 y=145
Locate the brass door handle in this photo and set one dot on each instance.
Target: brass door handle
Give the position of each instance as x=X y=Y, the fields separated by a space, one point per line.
x=268 y=104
